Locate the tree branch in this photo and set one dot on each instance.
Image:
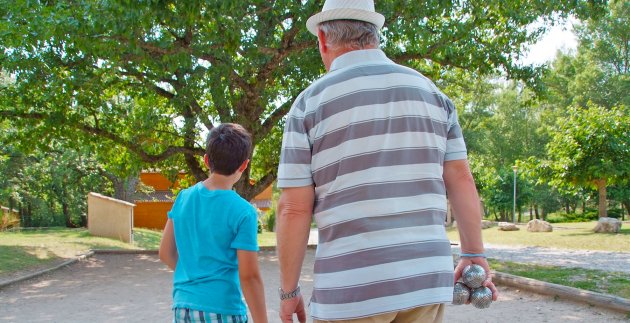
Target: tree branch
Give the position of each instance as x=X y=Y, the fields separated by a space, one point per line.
x=131 y=146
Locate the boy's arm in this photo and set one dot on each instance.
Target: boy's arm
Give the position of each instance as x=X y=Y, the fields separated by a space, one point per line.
x=168 y=248
x=252 y=284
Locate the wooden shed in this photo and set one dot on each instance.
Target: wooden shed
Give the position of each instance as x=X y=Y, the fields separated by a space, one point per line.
x=151 y=209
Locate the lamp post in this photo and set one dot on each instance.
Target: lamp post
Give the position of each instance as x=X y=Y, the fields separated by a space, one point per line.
x=515 y=169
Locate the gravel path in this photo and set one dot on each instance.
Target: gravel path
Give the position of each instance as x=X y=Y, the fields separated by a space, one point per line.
x=137 y=288
x=600 y=260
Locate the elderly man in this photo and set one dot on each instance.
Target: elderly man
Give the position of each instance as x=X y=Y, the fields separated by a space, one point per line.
x=371 y=149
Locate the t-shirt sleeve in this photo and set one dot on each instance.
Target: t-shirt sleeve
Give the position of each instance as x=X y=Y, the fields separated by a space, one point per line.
x=176 y=205
x=295 y=157
x=247 y=231
x=455 y=145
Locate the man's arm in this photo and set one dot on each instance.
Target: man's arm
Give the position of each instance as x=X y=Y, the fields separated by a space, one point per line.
x=252 y=284
x=293 y=224
x=464 y=200
x=168 y=248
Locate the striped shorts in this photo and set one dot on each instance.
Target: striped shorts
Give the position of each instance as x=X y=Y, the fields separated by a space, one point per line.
x=185 y=315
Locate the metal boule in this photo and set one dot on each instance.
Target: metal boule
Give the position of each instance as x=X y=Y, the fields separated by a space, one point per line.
x=461 y=294
x=481 y=297
x=473 y=276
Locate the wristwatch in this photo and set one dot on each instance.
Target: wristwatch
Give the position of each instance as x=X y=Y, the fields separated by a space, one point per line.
x=288 y=295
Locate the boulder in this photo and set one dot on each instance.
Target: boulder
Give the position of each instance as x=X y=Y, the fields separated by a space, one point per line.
x=607 y=225
x=507 y=226
x=485 y=224
x=536 y=225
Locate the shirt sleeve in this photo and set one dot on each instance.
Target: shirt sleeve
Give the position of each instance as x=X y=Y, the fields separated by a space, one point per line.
x=247 y=231
x=455 y=145
x=295 y=157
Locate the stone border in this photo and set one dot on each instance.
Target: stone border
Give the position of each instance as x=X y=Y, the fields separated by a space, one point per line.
x=579 y=295
x=536 y=286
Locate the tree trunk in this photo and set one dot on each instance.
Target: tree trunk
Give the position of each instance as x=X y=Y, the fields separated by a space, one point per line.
x=66 y=214
x=626 y=204
x=601 y=189
x=531 y=212
x=536 y=211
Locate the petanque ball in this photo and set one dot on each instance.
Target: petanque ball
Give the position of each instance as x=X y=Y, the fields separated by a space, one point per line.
x=481 y=297
x=473 y=276
x=461 y=294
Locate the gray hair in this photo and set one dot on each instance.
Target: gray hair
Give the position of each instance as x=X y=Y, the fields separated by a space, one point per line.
x=355 y=34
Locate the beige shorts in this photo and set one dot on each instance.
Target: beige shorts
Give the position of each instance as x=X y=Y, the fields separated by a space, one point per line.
x=428 y=314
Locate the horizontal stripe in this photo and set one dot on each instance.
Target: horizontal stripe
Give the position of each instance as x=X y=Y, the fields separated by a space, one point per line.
x=369 y=208
x=375 y=127
x=386 y=271
x=379 y=239
x=455 y=132
x=390 y=254
x=382 y=288
x=381 y=305
x=458 y=155
x=369 y=97
x=294 y=125
x=295 y=156
x=378 y=223
x=357 y=147
x=392 y=173
x=413 y=158
x=350 y=75
x=378 y=191
x=378 y=111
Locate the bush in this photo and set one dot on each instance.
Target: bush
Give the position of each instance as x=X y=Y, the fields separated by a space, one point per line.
x=615 y=213
x=270 y=220
x=589 y=215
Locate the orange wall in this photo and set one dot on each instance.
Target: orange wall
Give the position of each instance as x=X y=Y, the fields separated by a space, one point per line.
x=156 y=180
x=151 y=215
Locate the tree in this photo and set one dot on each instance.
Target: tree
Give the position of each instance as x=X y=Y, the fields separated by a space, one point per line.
x=591 y=147
x=151 y=78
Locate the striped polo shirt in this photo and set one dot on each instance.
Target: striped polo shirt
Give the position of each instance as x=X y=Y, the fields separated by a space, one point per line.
x=372 y=137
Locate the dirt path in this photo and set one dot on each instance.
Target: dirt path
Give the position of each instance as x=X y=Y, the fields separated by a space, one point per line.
x=136 y=288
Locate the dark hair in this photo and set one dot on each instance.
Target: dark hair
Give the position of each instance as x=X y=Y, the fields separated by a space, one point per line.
x=228 y=146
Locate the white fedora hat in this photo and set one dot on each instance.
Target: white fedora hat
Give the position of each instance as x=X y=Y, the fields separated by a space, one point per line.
x=362 y=10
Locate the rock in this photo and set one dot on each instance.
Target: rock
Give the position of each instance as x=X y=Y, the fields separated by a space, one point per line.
x=485 y=224
x=607 y=225
x=507 y=226
x=536 y=225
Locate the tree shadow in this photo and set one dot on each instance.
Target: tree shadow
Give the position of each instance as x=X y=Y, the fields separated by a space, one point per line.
x=18 y=258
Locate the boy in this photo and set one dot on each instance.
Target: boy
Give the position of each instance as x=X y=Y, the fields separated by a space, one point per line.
x=210 y=239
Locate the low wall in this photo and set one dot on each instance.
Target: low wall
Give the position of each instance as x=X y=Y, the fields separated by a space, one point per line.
x=110 y=218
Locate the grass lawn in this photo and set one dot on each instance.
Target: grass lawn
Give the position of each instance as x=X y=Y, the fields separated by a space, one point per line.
x=26 y=249
x=33 y=248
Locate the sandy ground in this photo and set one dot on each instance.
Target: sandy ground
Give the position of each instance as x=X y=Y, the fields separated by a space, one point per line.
x=137 y=288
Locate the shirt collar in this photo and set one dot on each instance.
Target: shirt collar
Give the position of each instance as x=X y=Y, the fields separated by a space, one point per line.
x=359 y=57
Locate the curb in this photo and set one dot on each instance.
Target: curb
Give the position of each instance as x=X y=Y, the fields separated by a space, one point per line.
x=574 y=294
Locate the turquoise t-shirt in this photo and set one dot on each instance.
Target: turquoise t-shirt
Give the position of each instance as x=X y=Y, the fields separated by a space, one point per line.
x=209 y=227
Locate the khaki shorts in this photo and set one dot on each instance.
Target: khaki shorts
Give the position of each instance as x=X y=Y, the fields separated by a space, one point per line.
x=428 y=314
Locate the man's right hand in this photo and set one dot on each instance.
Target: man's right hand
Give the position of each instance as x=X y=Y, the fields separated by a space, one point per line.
x=290 y=306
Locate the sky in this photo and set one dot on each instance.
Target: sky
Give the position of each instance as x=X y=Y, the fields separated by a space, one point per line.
x=560 y=37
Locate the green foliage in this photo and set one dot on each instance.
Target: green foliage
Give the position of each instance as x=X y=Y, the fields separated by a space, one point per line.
x=591 y=144
x=142 y=82
x=590 y=215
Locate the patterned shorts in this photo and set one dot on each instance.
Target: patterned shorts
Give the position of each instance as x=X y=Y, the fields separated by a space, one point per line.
x=185 y=315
